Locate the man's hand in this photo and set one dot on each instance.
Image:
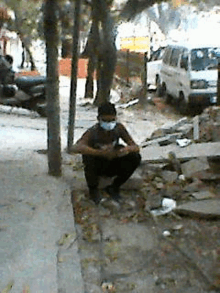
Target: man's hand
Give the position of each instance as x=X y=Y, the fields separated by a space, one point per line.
x=127 y=150
x=109 y=152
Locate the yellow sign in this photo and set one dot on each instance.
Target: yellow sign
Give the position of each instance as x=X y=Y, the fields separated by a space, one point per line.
x=135 y=44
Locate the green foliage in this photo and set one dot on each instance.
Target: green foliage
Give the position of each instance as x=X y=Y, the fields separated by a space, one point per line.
x=26 y=17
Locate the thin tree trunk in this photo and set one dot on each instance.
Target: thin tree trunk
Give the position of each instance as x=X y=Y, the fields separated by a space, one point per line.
x=52 y=89
x=107 y=52
x=89 y=88
x=91 y=52
x=98 y=82
x=72 y=108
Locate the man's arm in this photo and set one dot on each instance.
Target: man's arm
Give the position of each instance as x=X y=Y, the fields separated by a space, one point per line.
x=131 y=147
x=82 y=147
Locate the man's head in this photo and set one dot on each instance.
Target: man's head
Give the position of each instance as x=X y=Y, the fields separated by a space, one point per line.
x=107 y=116
x=106 y=109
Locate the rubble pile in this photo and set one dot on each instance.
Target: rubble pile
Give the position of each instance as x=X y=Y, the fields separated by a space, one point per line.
x=209 y=125
x=181 y=161
x=201 y=128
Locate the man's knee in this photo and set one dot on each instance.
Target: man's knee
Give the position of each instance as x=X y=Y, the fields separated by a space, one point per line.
x=135 y=159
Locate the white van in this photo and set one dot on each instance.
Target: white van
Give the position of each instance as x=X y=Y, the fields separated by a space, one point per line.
x=153 y=68
x=189 y=74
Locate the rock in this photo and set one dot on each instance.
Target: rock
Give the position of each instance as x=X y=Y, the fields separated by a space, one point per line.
x=209 y=209
x=195 y=186
x=152 y=154
x=193 y=166
x=203 y=194
x=159 y=185
x=214 y=113
x=158 y=133
x=185 y=130
x=196 y=128
x=171 y=127
x=216 y=132
x=207 y=175
x=164 y=140
x=169 y=176
x=214 y=164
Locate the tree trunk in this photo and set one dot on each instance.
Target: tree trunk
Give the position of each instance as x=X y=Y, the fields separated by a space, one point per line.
x=91 y=52
x=52 y=87
x=89 y=89
x=107 y=51
x=72 y=108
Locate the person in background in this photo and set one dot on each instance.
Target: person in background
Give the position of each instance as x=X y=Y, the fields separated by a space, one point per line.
x=103 y=155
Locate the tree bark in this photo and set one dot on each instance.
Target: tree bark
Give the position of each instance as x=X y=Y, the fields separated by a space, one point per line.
x=107 y=51
x=91 y=52
x=52 y=87
x=89 y=89
x=72 y=108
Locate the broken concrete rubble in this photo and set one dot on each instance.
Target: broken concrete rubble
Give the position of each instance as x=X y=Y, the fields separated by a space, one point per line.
x=208 y=209
x=199 y=162
x=195 y=165
x=201 y=128
x=203 y=194
x=154 y=154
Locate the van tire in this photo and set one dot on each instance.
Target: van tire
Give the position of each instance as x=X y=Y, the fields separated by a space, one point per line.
x=168 y=98
x=163 y=90
x=159 y=89
x=183 y=106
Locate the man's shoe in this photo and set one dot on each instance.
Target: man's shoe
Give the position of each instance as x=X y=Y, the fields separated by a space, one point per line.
x=95 y=195
x=113 y=192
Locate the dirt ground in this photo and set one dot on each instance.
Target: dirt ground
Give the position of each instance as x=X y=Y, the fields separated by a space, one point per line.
x=132 y=251
x=123 y=248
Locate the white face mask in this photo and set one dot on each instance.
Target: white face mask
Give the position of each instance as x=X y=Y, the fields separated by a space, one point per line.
x=108 y=125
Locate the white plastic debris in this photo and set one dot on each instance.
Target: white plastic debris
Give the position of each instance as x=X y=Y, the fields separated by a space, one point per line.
x=126 y=105
x=182 y=177
x=183 y=142
x=166 y=233
x=168 y=204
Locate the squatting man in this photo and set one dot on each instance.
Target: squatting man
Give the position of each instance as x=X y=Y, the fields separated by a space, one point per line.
x=102 y=154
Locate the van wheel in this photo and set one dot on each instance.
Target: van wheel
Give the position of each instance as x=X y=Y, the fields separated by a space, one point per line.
x=163 y=90
x=183 y=105
x=168 y=98
x=159 y=89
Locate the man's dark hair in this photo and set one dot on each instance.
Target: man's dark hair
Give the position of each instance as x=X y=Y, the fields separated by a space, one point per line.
x=106 y=109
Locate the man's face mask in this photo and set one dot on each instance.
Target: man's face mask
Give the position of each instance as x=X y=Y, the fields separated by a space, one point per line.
x=110 y=125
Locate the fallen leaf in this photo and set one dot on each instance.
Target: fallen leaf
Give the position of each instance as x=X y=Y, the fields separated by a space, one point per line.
x=67 y=238
x=8 y=287
x=60 y=259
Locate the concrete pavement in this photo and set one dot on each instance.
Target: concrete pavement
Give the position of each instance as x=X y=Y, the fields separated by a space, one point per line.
x=38 y=245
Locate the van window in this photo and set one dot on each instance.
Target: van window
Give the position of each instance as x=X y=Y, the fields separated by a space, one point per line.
x=205 y=58
x=184 y=61
x=157 y=55
x=166 y=57
x=175 y=57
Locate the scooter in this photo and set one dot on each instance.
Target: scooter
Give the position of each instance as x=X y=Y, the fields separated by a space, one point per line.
x=25 y=91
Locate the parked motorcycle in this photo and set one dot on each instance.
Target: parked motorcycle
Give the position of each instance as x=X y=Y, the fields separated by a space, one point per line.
x=28 y=92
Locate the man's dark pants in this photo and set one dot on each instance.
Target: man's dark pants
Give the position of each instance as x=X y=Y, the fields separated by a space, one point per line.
x=122 y=168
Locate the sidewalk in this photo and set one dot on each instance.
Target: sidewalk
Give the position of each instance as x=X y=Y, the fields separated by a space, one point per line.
x=38 y=245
